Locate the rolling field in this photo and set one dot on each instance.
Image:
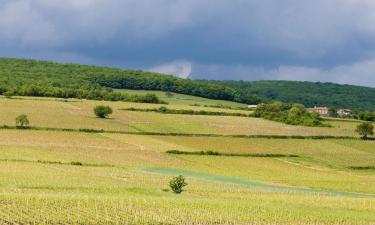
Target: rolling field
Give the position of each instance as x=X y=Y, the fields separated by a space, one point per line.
x=71 y=177
x=44 y=112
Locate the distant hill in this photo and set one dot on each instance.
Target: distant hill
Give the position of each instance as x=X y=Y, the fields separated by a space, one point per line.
x=309 y=93
x=43 y=78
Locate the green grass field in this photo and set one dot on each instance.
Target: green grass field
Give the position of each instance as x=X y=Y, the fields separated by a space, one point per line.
x=62 y=177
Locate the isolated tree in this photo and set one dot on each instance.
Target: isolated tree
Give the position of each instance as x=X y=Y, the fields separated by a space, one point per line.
x=365 y=129
x=177 y=183
x=102 y=111
x=22 y=121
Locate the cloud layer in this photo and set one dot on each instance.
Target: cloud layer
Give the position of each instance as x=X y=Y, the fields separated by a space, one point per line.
x=215 y=39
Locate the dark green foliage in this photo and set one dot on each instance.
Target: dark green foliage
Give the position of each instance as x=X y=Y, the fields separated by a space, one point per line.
x=48 y=79
x=365 y=129
x=212 y=153
x=295 y=114
x=189 y=112
x=41 y=78
x=102 y=111
x=22 y=121
x=177 y=183
x=147 y=98
x=366 y=116
x=309 y=94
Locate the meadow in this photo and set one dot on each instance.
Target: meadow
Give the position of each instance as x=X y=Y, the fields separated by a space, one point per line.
x=71 y=177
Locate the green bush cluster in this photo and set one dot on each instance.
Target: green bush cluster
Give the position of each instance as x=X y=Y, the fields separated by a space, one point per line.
x=295 y=114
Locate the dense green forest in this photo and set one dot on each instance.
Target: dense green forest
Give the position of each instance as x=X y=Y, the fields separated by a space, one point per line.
x=42 y=78
x=309 y=93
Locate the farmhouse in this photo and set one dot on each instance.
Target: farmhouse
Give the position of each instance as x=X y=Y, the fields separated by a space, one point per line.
x=252 y=106
x=344 y=112
x=323 y=111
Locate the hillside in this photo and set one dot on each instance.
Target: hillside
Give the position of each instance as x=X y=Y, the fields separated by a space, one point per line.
x=309 y=93
x=49 y=79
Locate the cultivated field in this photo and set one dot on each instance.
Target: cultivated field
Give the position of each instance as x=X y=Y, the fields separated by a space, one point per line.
x=57 y=113
x=72 y=177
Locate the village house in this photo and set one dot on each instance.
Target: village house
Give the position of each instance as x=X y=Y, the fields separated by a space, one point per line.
x=344 y=112
x=323 y=111
x=252 y=106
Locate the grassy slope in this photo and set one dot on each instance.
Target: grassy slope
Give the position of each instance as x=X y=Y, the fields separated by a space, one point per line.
x=78 y=114
x=185 y=100
x=111 y=188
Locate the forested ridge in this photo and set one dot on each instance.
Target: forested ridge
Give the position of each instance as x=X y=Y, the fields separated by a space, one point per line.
x=44 y=78
x=309 y=94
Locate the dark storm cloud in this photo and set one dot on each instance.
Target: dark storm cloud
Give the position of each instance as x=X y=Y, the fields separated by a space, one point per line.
x=215 y=39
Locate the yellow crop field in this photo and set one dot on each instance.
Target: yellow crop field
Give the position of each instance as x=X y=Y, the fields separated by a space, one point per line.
x=79 y=177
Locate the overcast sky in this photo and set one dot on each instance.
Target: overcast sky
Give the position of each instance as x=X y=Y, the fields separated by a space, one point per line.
x=314 y=40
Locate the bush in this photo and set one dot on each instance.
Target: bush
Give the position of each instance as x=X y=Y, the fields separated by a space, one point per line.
x=76 y=163
x=102 y=111
x=365 y=129
x=22 y=121
x=177 y=183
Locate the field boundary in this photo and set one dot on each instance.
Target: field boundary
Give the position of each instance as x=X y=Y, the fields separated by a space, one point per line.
x=214 y=153
x=165 y=110
x=248 y=182
x=90 y=130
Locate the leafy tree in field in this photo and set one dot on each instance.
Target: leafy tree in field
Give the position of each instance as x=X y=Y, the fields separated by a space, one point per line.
x=22 y=121
x=365 y=129
x=102 y=111
x=177 y=183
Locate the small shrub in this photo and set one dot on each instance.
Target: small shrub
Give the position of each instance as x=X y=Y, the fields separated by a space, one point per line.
x=76 y=163
x=22 y=121
x=102 y=111
x=177 y=183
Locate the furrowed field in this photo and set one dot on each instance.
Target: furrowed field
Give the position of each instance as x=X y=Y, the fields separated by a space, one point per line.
x=120 y=175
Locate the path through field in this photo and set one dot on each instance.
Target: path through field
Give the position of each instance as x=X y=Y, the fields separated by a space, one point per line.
x=248 y=182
